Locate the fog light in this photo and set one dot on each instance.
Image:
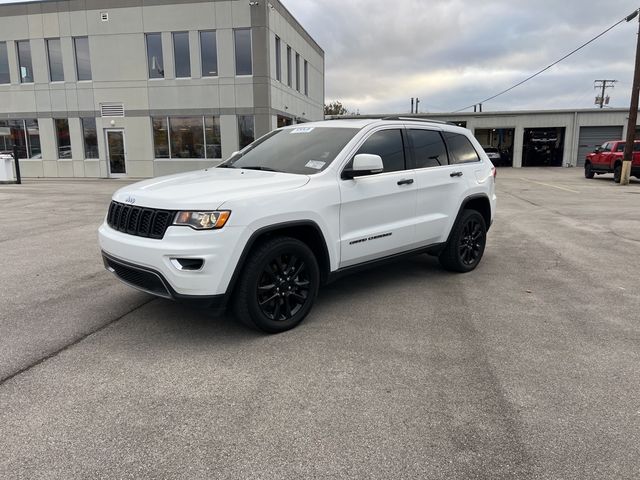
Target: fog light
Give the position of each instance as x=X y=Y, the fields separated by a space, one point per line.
x=187 y=264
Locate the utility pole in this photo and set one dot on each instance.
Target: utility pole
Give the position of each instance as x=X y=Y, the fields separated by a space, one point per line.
x=633 y=112
x=603 y=84
x=412 y=105
x=417 y=103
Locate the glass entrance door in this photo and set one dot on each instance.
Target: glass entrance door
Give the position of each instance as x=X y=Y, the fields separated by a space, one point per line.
x=116 y=153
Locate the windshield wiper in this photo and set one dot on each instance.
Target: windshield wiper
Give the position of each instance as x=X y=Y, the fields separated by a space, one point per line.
x=263 y=169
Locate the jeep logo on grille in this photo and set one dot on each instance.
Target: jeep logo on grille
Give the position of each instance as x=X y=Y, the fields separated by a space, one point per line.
x=130 y=200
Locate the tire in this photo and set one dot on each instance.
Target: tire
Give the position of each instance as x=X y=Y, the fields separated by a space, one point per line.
x=465 y=247
x=588 y=171
x=278 y=285
x=617 y=173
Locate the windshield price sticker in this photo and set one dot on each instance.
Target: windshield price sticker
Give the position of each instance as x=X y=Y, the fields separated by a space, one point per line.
x=315 y=164
x=302 y=130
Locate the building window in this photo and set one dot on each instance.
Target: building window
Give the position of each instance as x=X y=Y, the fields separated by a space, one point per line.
x=289 y=71
x=181 y=55
x=160 y=137
x=306 y=78
x=24 y=134
x=83 y=59
x=242 y=39
x=90 y=135
x=187 y=137
x=212 y=137
x=154 y=55
x=209 y=54
x=4 y=64
x=297 y=72
x=278 y=59
x=246 y=130
x=24 y=61
x=54 y=53
x=63 y=138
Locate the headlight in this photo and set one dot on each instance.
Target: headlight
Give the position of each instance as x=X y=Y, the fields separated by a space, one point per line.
x=202 y=220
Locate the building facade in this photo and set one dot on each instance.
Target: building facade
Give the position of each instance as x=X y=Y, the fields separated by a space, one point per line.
x=142 y=88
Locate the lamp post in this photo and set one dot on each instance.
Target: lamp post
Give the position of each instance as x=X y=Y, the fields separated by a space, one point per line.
x=633 y=113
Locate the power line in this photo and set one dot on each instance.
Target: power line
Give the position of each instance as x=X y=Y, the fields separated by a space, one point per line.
x=625 y=19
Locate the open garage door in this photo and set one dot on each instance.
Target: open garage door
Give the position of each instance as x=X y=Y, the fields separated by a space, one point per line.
x=592 y=137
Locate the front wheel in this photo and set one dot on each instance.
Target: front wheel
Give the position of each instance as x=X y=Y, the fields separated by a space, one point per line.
x=617 y=173
x=465 y=247
x=278 y=286
x=588 y=171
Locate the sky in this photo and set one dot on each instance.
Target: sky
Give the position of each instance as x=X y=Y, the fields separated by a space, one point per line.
x=454 y=53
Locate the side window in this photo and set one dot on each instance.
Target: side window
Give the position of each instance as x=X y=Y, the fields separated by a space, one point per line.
x=388 y=144
x=428 y=148
x=620 y=147
x=606 y=147
x=460 y=148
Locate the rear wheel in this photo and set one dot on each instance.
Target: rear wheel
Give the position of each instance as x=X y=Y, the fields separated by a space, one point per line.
x=465 y=247
x=588 y=170
x=617 y=173
x=278 y=285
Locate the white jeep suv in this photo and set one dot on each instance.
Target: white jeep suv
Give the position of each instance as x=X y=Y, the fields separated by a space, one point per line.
x=299 y=207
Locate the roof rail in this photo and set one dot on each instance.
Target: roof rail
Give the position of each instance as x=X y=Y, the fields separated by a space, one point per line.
x=411 y=119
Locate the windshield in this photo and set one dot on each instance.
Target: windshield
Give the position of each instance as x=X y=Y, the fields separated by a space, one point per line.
x=301 y=150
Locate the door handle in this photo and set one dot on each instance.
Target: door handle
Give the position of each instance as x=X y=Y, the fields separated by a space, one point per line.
x=406 y=181
x=456 y=174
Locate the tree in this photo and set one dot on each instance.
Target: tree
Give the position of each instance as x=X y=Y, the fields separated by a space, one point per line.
x=335 y=108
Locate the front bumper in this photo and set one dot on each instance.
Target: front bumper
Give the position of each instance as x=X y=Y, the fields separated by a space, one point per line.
x=151 y=281
x=149 y=260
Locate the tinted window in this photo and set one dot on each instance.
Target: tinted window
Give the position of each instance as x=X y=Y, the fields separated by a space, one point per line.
x=24 y=60
x=62 y=135
x=428 y=148
x=302 y=150
x=246 y=130
x=388 y=144
x=242 y=38
x=187 y=137
x=90 y=136
x=460 y=148
x=620 y=147
x=209 y=54
x=83 y=61
x=181 y=54
x=154 y=55
x=289 y=72
x=297 y=72
x=4 y=64
x=278 y=59
x=23 y=134
x=212 y=137
x=54 y=52
x=160 y=137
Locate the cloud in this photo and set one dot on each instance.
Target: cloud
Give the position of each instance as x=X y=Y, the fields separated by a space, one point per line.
x=452 y=53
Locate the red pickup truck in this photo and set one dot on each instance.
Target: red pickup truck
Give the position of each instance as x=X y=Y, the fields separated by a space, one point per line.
x=608 y=159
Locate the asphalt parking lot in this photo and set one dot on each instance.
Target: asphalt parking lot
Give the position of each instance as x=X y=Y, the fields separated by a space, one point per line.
x=526 y=368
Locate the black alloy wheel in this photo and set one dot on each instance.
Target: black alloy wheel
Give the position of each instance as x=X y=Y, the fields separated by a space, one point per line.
x=466 y=244
x=588 y=170
x=472 y=242
x=617 y=173
x=278 y=285
x=283 y=287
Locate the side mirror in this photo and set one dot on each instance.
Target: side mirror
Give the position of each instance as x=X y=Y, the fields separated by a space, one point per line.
x=597 y=150
x=364 y=164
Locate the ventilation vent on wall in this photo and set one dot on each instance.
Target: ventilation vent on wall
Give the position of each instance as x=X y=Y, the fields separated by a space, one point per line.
x=104 y=16
x=112 y=110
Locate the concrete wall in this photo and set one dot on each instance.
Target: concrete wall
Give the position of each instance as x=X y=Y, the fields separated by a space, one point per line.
x=119 y=75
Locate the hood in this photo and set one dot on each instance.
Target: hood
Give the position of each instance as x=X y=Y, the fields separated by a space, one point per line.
x=206 y=189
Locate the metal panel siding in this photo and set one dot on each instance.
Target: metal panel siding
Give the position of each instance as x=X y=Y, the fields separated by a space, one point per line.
x=592 y=137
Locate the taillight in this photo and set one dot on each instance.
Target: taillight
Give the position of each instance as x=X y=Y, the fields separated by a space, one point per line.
x=494 y=172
